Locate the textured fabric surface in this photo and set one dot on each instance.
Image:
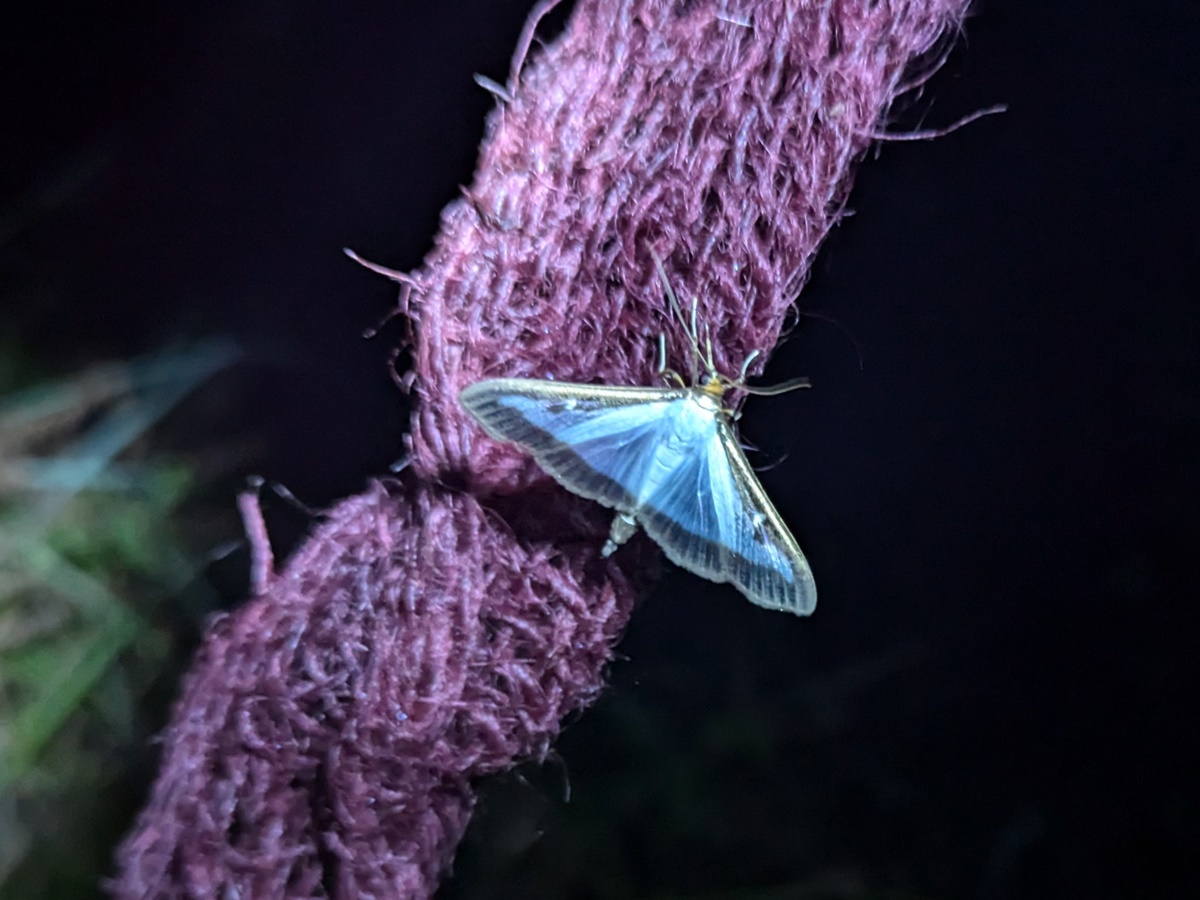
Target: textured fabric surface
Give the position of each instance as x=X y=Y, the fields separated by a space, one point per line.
x=439 y=627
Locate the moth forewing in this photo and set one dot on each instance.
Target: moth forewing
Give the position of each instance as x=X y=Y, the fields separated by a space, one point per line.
x=590 y=438
x=665 y=458
x=789 y=583
x=715 y=520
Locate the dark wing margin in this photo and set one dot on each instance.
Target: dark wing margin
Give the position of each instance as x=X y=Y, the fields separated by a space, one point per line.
x=595 y=440
x=715 y=519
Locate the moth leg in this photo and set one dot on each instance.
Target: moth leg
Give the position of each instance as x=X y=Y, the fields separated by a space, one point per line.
x=670 y=376
x=741 y=379
x=624 y=527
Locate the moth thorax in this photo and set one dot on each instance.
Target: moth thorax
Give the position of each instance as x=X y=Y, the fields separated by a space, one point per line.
x=708 y=396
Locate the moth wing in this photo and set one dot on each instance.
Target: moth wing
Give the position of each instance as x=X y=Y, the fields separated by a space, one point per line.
x=713 y=518
x=595 y=440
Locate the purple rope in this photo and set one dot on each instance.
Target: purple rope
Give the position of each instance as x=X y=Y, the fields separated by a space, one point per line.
x=439 y=628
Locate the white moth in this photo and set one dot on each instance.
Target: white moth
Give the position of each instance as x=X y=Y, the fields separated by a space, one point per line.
x=664 y=458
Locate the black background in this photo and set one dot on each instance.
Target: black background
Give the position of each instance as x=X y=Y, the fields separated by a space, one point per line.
x=995 y=476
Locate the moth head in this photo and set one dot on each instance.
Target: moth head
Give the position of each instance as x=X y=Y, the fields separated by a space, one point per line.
x=714 y=384
x=704 y=368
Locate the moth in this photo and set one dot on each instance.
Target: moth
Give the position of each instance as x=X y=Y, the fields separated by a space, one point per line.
x=666 y=459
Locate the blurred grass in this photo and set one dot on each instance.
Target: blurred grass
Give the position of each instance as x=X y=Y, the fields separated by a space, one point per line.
x=87 y=555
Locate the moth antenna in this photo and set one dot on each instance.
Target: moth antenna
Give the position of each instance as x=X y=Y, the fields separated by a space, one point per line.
x=708 y=348
x=774 y=390
x=694 y=336
x=676 y=309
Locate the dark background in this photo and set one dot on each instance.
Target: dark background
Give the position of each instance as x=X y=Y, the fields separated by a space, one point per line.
x=998 y=694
